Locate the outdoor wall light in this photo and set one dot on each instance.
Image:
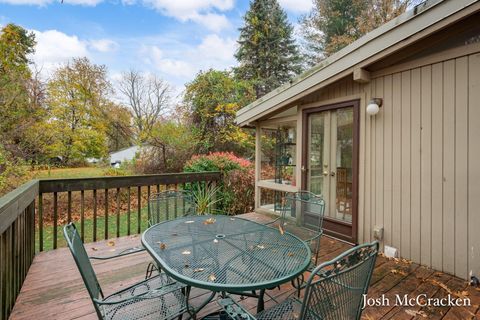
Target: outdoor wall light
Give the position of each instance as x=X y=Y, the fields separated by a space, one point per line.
x=374 y=106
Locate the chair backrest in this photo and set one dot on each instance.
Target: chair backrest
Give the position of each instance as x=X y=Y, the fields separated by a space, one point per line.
x=306 y=207
x=169 y=205
x=83 y=263
x=335 y=288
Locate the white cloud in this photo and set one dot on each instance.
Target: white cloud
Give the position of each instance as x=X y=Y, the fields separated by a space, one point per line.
x=169 y=66
x=55 y=47
x=204 y=12
x=297 y=6
x=46 y=2
x=103 y=45
x=181 y=65
x=216 y=48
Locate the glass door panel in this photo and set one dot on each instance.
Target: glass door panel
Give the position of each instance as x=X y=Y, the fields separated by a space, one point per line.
x=330 y=160
x=344 y=164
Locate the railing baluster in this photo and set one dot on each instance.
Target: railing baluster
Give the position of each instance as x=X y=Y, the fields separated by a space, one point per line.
x=148 y=203
x=106 y=214
x=94 y=215
x=2 y=276
x=82 y=214
x=175 y=204
x=40 y=222
x=118 y=212
x=139 y=213
x=69 y=207
x=55 y=218
x=128 y=211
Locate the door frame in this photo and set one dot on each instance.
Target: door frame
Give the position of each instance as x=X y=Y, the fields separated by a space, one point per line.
x=335 y=227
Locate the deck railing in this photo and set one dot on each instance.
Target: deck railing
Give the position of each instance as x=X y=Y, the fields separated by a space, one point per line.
x=32 y=215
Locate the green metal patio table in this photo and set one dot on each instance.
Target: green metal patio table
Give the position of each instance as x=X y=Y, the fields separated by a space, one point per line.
x=223 y=253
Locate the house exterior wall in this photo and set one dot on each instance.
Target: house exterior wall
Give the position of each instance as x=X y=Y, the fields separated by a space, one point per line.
x=419 y=168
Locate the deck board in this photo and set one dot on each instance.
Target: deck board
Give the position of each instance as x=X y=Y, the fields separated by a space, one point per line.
x=53 y=288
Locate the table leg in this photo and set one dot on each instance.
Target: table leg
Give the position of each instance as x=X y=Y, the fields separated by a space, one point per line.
x=261 y=301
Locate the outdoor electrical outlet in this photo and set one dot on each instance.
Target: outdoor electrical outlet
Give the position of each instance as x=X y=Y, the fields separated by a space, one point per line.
x=378 y=233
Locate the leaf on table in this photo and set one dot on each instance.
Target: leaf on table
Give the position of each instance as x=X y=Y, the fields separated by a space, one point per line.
x=112 y=250
x=199 y=270
x=189 y=221
x=209 y=221
x=186 y=266
x=162 y=245
x=212 y=277
x=111 y=243
x=215 y=241
x=280 y=228
x=94 y=249
x=232 y=219
x=186 y=252
x=290 y=254
x=260 y=246
x=174 y=234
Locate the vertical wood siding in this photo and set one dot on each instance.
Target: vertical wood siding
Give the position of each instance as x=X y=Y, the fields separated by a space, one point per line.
x=420 y=162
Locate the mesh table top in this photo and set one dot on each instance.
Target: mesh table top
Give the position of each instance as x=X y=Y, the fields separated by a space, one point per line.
x=224 y=253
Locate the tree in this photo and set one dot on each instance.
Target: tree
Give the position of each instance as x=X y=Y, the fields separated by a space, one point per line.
x=267 y=53
x=333 y=24
x=213 y=99
x=148 y=97
x=119 y=129
x=15 y=46
x=77 y=98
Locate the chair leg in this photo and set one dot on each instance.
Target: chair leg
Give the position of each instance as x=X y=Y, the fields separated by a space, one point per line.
x=150 y=268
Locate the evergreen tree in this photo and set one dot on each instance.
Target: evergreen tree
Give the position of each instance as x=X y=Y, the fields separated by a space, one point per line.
x=334 y=24
x=267 y=52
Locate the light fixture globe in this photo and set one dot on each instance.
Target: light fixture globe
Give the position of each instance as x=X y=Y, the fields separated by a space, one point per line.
x=373 y=106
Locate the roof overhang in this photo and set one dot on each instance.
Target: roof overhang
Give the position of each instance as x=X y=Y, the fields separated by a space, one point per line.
x=411 y=26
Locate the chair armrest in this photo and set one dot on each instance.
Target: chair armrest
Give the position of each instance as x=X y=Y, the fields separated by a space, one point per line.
x=234 y=310
x=120 y=254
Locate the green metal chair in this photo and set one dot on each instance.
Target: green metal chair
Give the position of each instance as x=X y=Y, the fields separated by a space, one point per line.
x=165 y=206
x=157 y=297
x=334 y=290
x=162 y=206
x=302 y=215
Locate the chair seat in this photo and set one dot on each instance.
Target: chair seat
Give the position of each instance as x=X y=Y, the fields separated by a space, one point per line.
x=287 y=310
x=156 y=298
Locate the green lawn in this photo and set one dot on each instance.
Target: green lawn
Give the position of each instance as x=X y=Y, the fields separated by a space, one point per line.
x=112 y=229
x=83 y=172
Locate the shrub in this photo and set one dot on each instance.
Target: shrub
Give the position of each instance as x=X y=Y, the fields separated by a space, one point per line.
x=237 y=186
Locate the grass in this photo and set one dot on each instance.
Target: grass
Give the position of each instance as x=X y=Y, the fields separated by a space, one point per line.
x=48 y=231
x=83 y=172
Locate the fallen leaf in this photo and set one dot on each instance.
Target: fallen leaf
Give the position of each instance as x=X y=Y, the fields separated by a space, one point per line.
x=400 y=272
x=112 y=250
x=260 y=246
x=209 y=221
x=94 y=249
x=414 y=313
x=290 y=254
x=186 y=252
x=189 y=221
x=212 y=277
x=162 y=245
x=111 y=243
x=198 y=270
x=215 y=241
x=186 y=265
x=174 y=234
x=232 y=219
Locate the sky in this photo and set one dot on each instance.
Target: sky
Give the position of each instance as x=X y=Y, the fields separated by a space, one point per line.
x=173 y=39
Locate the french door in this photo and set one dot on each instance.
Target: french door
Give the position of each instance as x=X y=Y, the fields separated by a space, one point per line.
x=330 y=164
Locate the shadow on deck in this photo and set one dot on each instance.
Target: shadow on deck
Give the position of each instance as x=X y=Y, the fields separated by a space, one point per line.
x=54 y=289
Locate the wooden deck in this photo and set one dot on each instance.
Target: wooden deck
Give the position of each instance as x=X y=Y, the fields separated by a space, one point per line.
x=53 y=288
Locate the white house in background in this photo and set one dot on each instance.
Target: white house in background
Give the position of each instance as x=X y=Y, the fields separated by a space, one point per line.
x=126 y=154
